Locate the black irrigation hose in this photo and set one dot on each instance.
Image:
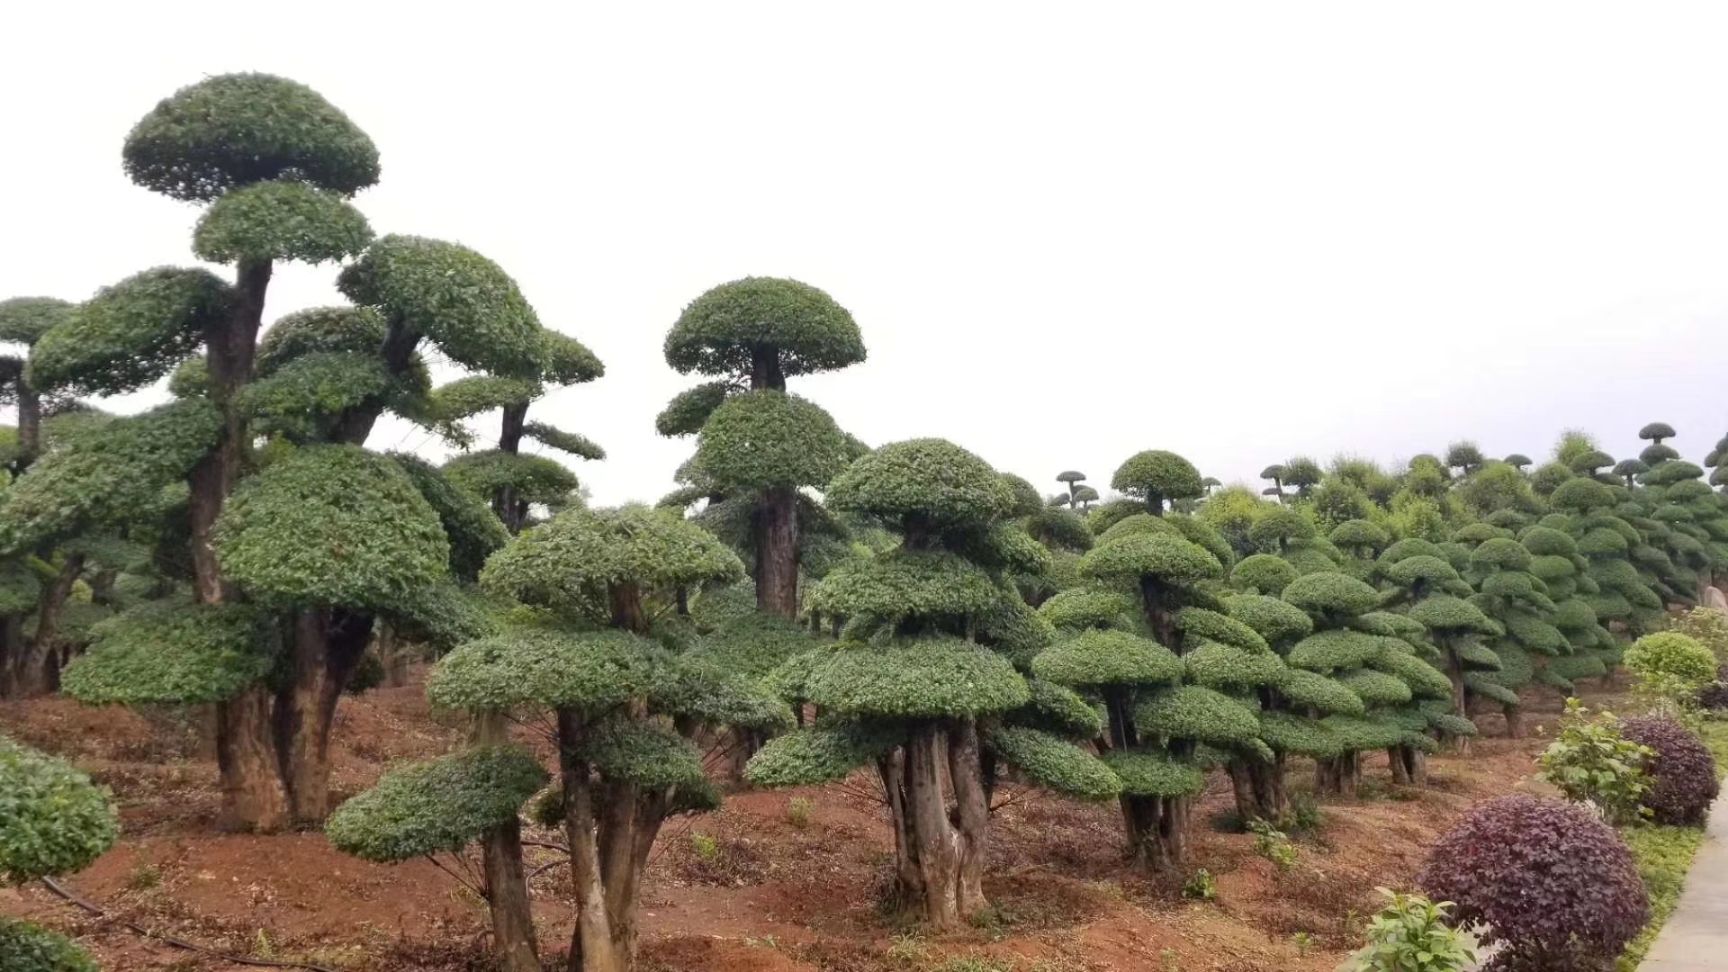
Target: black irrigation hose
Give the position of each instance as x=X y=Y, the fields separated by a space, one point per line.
x=169 y=940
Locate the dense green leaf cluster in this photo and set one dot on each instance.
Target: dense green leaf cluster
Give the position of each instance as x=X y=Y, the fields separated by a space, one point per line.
x=591 y=672
x=23 y=320
x=174 y=653
x=720 y=331
x=130 y=333
x=53 y=820
x=436 y=806
x=813 y=756
x=1157 y=477
x=924 y=678
x=28 y=948
x=280 y=220
x=360 y=330
x=473 y=394
x=929 y=480
x=1054 y=763
x=571 y=443
x=906 y=583
x=686 y=413
x=769 y=439
x=534 y=479
x=331 y=525
x=473 y=530
x=305 y=396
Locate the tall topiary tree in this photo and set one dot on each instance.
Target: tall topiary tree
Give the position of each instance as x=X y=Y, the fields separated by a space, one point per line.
x=1302 y=474
x=1156 y=478
x=910 y=687
x=1518 y=602
x=755 y=439
x=1072 y=483
x=1464 y=456
x=1430 y=592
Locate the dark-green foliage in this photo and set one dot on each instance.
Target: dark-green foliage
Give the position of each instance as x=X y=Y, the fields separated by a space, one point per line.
x=436 y=806
x=718 y=332
x=174 y=653
x=130 y=333
x=768 y=439
x=53 y=820
x=280 y=220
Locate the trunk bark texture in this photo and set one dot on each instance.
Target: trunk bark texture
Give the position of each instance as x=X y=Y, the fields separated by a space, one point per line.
x=506 y=885
x=326 y=647
x=252 y=796
x=776 y=528
x=38 y=663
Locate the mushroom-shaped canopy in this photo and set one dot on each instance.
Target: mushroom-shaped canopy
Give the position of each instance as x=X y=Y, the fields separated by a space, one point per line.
x=1053 y=763
x=1549 y=477
x=1359 y=533
x=1330 y=594
x=1630 y=467
x=1099 y=657
x=535 y=479
x=1319 y=692
x=1518 y=460
x=436 y=806
x=721 y=331
x=1156 y=476
x=1070 y=477
x=1276 y=620
x=1154 y=773
x=466 y=304
x=1336 y=650
x=287 y=220
x=591 y=671
x=1659 y=452
x=1302 y=472
x=1136 y=523
x=1474 y=533
x=1262 y=573
x=577 y=554
x=1669 y=473
x=56 y=820
x=1027 y=502
x=359 y=330
x=768 y=439
x=1228 y=668
x=906 y=583
x=1411 y=547
x=1199 y=625
x=924 y=678
x=237 y=129
x=1657 y=431
x=931 y=480
x=472 y=394
x=1281 y=524
x=565 y=360
x=24 y=319
x=1274 y=471
x=1580 y=493
x=331 y=525
x=1198 y=713
x=1464 y=454
x=690 y=408
x=1164 y=556
x=1502 y=553
x=1445 y=614
x=1080 y=607
x=1421 y=569
x=130 y=333
x=1085 y=494
x=1590 y=461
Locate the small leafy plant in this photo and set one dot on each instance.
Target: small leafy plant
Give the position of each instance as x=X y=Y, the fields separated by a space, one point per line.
x=706 y=846
x=1272 y=844
x=798 y=812
x=1200 y=886
x=1411 y=934
x=1592 y=761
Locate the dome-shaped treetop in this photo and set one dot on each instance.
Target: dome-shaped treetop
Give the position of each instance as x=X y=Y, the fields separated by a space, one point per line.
x=578 y=554
x=130 y=333
x=359 y=330
x=237 y=129
x=924 y=678
x=1070 y=477
x=1518 y=460
x=768 y=439
x=690 y=408
x=1464 y=454
x=1630 y=467
x=438 y=806
x=331 y=525
x=1165 y=556
x=1079 y=608
x=1580 y=494
x=1097 y=658
x=1262 y=573
x=1590 y=461
x=930 y=480
x=1326 y=595
x=1157 y=477
x=1501 y=553
x=567 y=361
x=791 y=326
x=1276 y=620
x=1658 y=452
x=1657 y=431
x=1274 y=471
x=463 y=302
x=592 y=671
x=1444 y=613
x=1669 y=473
x=1027 y=502
x=906 y=583
x=1279 y=526
x=24 y=319
x=280 y=221
x=1359 y=533
x=172 y=653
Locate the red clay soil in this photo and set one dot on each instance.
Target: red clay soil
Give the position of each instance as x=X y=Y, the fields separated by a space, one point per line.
x=766 y=884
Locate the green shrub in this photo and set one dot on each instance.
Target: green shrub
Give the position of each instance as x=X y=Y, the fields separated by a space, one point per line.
x=26 y=948
x=1200 y=886
x=1272 y=844
x=798 y=812
x=1708 y=627
x=1411 y=934
x=1671 y=668
x=1591 y=761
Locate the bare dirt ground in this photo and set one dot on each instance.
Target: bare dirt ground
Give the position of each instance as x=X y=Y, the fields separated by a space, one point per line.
x=763 y=884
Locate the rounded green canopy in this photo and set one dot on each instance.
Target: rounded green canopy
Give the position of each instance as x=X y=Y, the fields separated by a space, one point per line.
x=53 y=820
x=24 y=319
x=1157 y=475
x=720 y=331
x=130 y=333
x=930 y=479
x=280 y=221
x=767 y=439
x=237 y=129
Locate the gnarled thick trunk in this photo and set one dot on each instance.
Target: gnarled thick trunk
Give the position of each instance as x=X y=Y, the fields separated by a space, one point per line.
x=325 y=648
x=252 y=794
x=940 y=843
x=506 y=887
x=37 y=664
x=1259 y=789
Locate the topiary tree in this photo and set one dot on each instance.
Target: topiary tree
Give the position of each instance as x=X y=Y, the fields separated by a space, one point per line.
x=1275 y=473
x=1683 y=777
x=1518 y=461
x=1464 y=456
x=1605 y=540
x=1655 y=432
x=923 y=683
x=625 y=707
x=53 y=820
x=1548 y=882
x=1073 y=482
x=1157 y=477
x=1430 y=592
x=1302 y=474
x=1517 y=602
x=756 y=440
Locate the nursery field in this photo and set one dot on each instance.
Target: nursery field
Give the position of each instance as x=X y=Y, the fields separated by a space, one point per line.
x=770 y=882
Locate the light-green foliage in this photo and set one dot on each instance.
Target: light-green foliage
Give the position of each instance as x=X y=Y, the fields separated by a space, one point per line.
x=1590 y=760
x=303 y=397
x=1413 y=934
x=1671 y=666
x=437 y=806
x=331 y=525
x=1707 y=626
x=803 y=326
x=813 y=756
x=173 y=653
x=472 y=394
x=535 y=479
x=1157 y=477
x=236 y=129
x=53 y=820
x=900 y=479
x=25 y=319
x=769 y=439
x=573 y=443
x=925 y=678
x=280 y=220
x=690 y=408
x=1098 y=658
x=131 y=333
x=474 y=531
x=27 y=948
x=1054 y=763
x=590 y=672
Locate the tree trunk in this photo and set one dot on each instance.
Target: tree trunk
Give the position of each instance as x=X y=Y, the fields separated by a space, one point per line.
x=38 y=663
x=776 y=528
x=1514 y=721
x=908 y=879
x=393 y=655
x=506 y=887
x=1400 y=768
x=971 y=813
x=326 y=647
x=509 y=508
x=936 y=840
x=592 y=948
x=29 y=426
x=12 y=651
x=766 y=373
x=252 y=797
x=1259 y=789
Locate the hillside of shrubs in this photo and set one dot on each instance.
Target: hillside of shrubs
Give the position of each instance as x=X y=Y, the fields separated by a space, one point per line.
x=806 y=609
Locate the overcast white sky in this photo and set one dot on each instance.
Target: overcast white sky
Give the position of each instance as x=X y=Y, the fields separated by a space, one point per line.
x=1068 y=231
